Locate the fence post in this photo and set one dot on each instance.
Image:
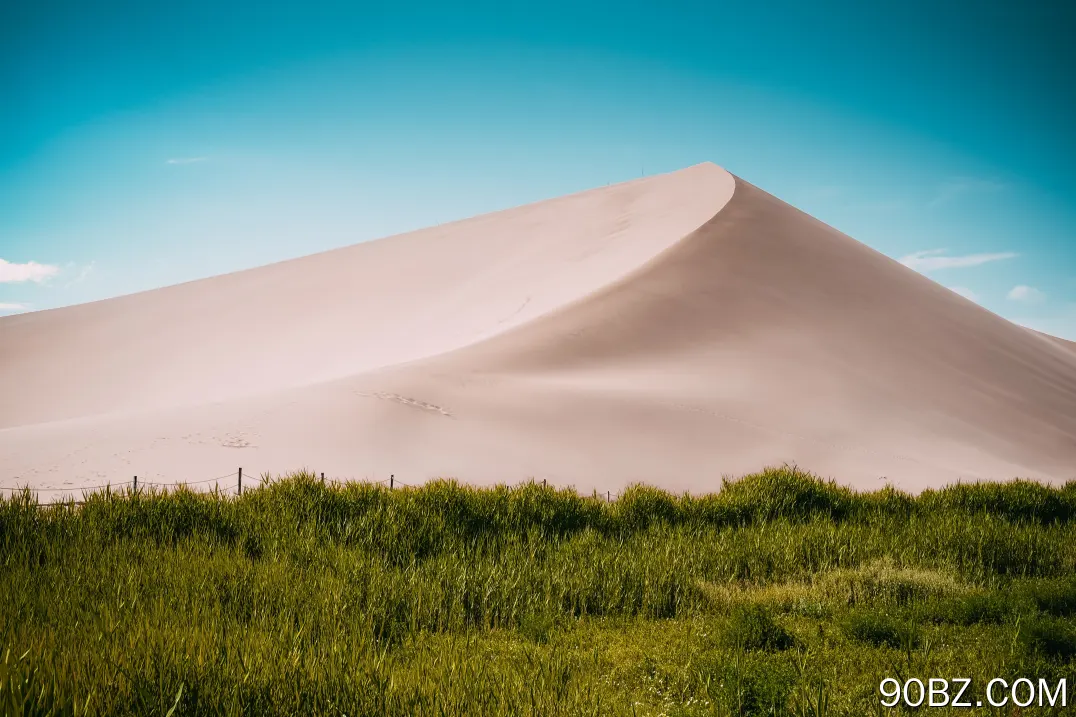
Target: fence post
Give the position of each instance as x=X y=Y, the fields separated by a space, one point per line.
x=240 y=481
x=608 y=496
x=136 y=484
x=392 y=479
x=543 y=482
x=323 y=478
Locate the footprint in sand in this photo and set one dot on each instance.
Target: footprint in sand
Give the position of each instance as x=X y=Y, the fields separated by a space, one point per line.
x=236 y=440
x=407 y=402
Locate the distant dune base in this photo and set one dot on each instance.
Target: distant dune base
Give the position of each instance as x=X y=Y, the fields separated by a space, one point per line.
x=669 y=330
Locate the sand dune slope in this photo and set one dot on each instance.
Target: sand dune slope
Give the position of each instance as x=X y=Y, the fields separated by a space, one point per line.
x=677 y=329
x=345 y=311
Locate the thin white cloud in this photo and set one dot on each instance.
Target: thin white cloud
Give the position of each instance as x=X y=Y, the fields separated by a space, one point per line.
x=13 y=307
x=1026 y=294
x=30 y=271
x=186 y=160
x=957 y=187
x=935 y=259
x=965 y=292
x=84 y=271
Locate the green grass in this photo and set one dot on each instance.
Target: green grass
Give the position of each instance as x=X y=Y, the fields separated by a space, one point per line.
x=779 y=595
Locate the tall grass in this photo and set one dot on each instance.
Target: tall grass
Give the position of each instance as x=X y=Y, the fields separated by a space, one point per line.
x=775 y=595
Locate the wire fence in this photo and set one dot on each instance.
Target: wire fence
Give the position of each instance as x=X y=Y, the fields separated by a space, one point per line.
x=136 y=484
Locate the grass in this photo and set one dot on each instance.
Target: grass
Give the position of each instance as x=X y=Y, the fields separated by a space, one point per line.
x=779 y=595
x=880 y=629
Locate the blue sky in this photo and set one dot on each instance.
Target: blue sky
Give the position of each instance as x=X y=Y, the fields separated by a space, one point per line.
x=144 y=145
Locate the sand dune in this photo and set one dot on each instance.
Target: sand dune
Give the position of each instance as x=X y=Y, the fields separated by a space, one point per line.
x=668 y=330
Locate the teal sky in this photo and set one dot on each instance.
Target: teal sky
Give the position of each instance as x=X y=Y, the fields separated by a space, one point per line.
x=144 y=145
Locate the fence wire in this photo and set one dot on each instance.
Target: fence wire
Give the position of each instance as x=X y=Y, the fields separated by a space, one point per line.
x=234 y=488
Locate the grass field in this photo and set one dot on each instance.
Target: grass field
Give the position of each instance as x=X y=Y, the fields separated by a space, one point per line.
x=779 y=595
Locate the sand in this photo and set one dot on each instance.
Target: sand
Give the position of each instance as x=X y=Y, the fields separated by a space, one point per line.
x=669 y=330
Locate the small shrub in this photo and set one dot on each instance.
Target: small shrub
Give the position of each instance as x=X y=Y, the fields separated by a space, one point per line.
x=883 y=583
x=642 y=506
x=787 y=493
x=252 y=547
x=1050 y=637
x=538 y=628
x=974 y=608
x=746 y=685
x=752 y=627
x=1018 y=501
x=1054 y=597
x=880 y=630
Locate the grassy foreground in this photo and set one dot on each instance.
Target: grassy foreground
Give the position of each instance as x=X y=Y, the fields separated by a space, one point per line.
x=779 y=595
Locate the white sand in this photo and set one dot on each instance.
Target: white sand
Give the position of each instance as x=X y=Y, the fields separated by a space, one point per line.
x=667 y=330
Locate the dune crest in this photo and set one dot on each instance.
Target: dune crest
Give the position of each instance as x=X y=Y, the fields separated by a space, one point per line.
x=667 y=330
x=342 y=312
